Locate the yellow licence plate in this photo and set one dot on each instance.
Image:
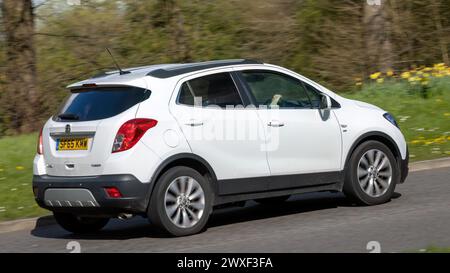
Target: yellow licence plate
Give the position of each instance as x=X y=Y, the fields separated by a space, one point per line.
x=72 y=144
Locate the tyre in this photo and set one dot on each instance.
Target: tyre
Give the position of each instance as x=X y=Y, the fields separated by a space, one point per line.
x=77 y=224
x=181 y=202
x=273 y=200
x=372 y=174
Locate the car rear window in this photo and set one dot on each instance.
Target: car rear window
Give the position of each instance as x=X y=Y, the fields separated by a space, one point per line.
x=99 y=103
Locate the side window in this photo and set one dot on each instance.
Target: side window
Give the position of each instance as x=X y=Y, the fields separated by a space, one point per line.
x=186 y=95
x=217 y=89
x=272 y=88
x=313 y=95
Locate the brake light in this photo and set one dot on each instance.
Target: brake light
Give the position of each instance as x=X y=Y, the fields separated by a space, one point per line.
x=130 y=132
x=113 y=192
x=39 y=148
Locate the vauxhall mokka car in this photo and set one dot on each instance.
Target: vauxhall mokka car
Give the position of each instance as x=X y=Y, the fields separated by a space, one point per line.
x=171 y=142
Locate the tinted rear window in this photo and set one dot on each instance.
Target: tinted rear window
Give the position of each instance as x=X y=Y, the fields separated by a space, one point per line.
x=100 y=103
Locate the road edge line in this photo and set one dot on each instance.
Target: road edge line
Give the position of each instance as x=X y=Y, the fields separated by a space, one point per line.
x=26 y=223
x=429 y=164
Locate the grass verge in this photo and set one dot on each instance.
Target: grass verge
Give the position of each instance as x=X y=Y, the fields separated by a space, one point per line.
x=16 y=168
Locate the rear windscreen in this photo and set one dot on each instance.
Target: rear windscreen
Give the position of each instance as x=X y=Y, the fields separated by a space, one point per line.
x=99 y=103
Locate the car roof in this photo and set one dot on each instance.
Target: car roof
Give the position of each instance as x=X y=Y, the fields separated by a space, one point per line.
x=161 y=71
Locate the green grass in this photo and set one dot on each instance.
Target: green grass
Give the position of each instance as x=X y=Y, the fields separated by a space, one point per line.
x=437 y=250
x=425 y=122
x=16 y=168
x=431 y=249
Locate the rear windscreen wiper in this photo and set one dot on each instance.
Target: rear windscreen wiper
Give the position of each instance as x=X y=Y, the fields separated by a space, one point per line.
x=68 y=116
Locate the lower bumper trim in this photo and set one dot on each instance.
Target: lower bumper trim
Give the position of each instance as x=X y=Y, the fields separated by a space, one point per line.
x=87 y=195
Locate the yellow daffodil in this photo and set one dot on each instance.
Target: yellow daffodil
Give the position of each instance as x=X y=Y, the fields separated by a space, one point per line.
x=406 y=75
x=375 y=76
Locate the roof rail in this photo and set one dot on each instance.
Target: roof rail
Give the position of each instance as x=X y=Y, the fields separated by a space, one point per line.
x=164 y=73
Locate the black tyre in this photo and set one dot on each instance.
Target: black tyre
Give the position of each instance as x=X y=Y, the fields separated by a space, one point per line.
x=372 y=174
x=77 y=224
x=181 y=202
x=273 y=200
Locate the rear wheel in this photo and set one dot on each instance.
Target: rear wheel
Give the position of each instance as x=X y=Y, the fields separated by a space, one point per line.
x=78 y=224
x=273 y=200
x=372 y=174
x=181 y=202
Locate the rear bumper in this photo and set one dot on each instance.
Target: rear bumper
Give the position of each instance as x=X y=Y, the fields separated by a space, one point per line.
x=404 y=169
x=135 y=194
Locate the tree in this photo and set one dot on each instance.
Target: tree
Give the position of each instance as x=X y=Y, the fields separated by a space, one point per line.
x=377 y=34
x=440 y=32
x=19 y=94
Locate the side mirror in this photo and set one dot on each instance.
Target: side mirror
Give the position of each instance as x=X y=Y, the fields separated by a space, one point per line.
x=325 y=102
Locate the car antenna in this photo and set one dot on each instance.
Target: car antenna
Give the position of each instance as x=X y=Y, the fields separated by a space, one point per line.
x=121 y=72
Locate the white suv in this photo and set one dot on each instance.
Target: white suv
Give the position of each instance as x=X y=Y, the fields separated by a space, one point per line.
x=173 y=141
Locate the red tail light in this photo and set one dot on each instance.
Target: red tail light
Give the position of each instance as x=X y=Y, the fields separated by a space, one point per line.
x=39 y=148
x=113 y=192
x=130 y=132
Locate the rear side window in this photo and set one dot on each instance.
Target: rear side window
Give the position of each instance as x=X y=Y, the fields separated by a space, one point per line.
x=100 y=103
x=217 y=89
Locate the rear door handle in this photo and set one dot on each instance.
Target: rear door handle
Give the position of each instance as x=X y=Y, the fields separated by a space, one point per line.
x=275 y=123
x=194 y=123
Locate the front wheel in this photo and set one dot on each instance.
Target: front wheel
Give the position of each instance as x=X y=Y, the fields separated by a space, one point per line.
x=181 y=202
x=78 y=224
x=372 y=174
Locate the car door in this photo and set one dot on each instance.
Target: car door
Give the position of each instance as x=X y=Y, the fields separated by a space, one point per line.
x=209 y=109
x=301 y=138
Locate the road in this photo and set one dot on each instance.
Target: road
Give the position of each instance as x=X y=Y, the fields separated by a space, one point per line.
x=418 y=216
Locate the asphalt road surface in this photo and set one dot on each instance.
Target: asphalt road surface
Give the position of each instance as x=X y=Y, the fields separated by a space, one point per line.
x=418 y=217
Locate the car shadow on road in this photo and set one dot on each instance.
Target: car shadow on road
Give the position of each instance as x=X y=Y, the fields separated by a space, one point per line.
x=139 y=227
x=295 y=205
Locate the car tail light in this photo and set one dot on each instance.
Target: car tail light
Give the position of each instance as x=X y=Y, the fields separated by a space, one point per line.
x=130 y=132
x=39 y=148
x=113 y=192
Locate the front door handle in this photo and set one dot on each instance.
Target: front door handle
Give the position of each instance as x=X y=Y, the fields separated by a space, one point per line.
x=275 y=123
x=194 y=123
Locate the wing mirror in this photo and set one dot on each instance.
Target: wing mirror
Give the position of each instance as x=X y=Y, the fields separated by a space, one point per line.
x=325 y=102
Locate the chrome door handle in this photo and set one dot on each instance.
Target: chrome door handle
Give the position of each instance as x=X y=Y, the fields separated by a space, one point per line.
x=194 y=123
x=275 y=123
